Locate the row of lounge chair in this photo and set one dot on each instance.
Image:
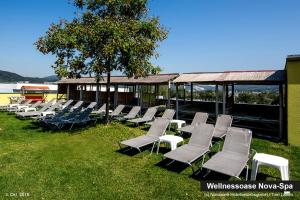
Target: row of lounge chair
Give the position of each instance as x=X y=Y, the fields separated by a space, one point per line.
x=57 y=115
x=231 y=160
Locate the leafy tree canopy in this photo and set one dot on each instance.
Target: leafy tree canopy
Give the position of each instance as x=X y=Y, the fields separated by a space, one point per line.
x=104 y=36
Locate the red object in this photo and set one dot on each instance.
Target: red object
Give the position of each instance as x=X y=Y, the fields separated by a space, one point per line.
x=35 y=98
x=35 y=88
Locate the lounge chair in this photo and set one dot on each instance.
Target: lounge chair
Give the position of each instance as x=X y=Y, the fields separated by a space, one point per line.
x=100 y=111
x=222 y=124
x=4 y=107
x=234 y=155
x=62 y=115
x=131 y=115
x=118 y=110
x=148 y=116
x=26 y=108
x=168 y=114
x=66 y=105
x=77 y=105
x=198 y=146
x=46 y=107
x=81 y=118
x=14 y=107
x=199 y=118
x=157 y=129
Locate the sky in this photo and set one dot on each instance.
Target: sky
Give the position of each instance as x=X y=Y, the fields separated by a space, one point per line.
x=204 y=35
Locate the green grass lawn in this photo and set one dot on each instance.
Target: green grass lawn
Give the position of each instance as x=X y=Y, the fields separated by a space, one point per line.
x=86 y=164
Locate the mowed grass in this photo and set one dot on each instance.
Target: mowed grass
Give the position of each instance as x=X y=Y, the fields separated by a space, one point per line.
x=86 y=164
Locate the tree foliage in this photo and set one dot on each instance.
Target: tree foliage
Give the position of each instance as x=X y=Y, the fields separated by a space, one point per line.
x=104 y=36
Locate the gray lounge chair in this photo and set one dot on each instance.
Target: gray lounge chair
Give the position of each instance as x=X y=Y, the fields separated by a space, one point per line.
x=46 y=107
x=118 y=110
x=14 y=108
x=4 y=107
x=168 y=114
x=63 y=115
x=81 y=118
x=222 y=124
x=235 y=153
x=77 y=105
x=67 y=104
x=131 y=115
x=199 y=118
x=101 y=110
x=148 y=116
x=157 y=129
x=199 y=144
x=32 y=106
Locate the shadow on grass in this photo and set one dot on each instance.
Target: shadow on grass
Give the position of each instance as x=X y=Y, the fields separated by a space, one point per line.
x=133 y=151
x=204 y=175
x=175 y=166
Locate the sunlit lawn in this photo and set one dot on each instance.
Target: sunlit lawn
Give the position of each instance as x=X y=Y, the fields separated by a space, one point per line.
x=86 y=164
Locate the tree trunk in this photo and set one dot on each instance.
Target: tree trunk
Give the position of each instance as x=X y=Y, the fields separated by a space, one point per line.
x=107 y=98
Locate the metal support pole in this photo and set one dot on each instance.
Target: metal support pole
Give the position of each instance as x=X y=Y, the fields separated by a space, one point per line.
x=224 y=99
x=184 y=93
x=97 y=94
x=116 y=96
x=155 y=91
x=141 y=97
x=177 y=106
x=68 y=92
x=281 y=112
x=192 y=92
x=217 y=100
x=169 y=94
x=81 y=93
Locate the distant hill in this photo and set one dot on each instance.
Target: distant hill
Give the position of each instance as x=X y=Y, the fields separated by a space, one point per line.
x=9 y=77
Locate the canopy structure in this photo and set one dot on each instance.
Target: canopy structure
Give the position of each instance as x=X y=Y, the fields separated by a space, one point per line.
x=243 y=77
x=145 y=91
x=123 y=80
x=124 y=90
x=227 y=80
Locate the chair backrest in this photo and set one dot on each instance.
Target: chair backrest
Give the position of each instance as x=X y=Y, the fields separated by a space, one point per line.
x=238 y=140
x=83 y=115
x=150 y=113
x=67 y=104
x=61 y=113
x=168 y=114
x=36 y=104
x=77 y=105
x=133 y=112
x=92 y=105
x=102 y=108
x=27 y=102
x=118 y=110
x=56 y=105
x=73 y=113
x=158 y=127
x=202 y=135
x=46 y=106
x=199 y=118
x=222 y=124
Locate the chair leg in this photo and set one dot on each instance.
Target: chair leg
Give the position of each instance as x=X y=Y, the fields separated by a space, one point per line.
x=247 y=172
x=191 y=167
x=152 y=147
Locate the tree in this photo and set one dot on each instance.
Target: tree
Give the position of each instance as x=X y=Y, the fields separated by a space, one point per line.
x=105 y=36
